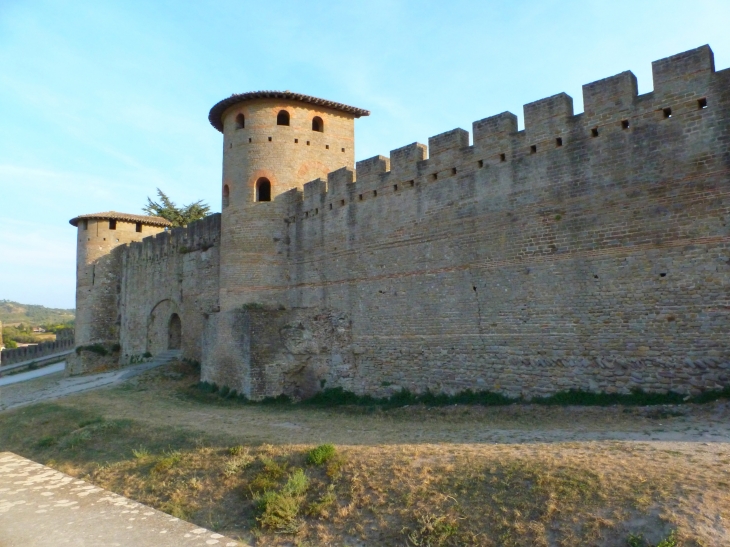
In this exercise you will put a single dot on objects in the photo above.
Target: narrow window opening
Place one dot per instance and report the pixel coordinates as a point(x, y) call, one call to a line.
point(306, 214)
point(702, 103)
point(112, 224)
point(342, 202)
point(453, 170)
point(85, 224)
point(230, 145)
point(533, 149)
point(240, 121)
point(663, 274)
point(307, 143)
point(395, 188)
point(317, 124)
point(249, 139)
point(138, 227)
point(359, 197)
point(296, 141)
point(503, 157)
point(559, 142)
point(625, 124)
point(594, 132)
point(375, 193)
point(667, 112)
point(412, 183)
point(269, 139)
point(226, 193)
point(316, 211)
point(327, 146)
point(330, 206)
point(434, 176)
point(282, 118)
point(480, 163)
point(263, 189)
point(343, 149)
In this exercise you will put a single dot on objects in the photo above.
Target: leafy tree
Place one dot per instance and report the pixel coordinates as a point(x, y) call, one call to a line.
point(11, 344)
point(178, 216)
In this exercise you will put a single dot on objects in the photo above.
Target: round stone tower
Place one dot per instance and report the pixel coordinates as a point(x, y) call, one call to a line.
point(98, 270)
point(273, 141)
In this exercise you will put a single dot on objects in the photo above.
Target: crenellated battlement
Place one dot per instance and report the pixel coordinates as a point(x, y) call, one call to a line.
point(585, 251)
point(683, 86)
point(197, 236)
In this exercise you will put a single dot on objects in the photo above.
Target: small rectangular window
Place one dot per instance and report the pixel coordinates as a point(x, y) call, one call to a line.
point(112, 224)
point(359, 197)
point(480, 163)
point(412, 183)
point(342, 202)
point(503, 157)
point(330, 206)
point(307, 143)
point(625, 124)
point(138, 227)
point(395, 188)
point(269, 139)
point(434, 176)
point(85, 224)
point(702, 103)
point(667, 112)
point(533, 149)
point(594, 132)
point(296, 141)
point(375, 193)
point(343, 149)
point(327, 146)
point(559, 141)
point(249, 139)
point(453, 170)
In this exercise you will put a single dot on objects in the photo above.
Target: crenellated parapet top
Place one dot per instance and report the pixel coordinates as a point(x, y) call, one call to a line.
point(682, 86)
point(200, 235)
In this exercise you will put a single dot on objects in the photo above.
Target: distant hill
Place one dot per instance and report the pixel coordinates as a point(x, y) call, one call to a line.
point(14, 312)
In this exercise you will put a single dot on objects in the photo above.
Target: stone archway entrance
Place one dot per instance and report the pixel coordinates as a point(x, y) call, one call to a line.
point(164, 327)
point(174, 333)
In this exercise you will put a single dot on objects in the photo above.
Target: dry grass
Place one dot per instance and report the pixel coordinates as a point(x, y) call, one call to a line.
point(451, 493)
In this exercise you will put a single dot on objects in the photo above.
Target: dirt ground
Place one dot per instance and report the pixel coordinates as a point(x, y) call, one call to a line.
point(617, 471)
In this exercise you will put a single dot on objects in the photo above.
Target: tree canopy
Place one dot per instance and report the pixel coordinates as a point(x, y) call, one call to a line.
point(178, 216)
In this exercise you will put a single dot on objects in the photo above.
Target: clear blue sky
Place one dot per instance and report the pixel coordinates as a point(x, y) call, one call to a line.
point(101, 102)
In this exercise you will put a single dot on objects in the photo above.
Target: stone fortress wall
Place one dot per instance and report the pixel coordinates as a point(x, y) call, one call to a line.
point(586, 251)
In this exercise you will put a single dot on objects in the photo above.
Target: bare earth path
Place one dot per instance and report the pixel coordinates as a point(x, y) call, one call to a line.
point(654, 468)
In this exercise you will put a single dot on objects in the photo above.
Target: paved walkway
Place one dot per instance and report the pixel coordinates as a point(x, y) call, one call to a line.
point(23, 376)
point(17, 395)
point(41, 507)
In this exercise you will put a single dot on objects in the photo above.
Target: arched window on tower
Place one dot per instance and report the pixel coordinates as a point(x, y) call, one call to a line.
point(317, 124)
point(226, 192)
point(240, 121)
point(282, 118)
point(263, 190)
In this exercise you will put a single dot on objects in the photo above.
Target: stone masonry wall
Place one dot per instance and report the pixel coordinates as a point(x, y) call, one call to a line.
point(587, 251)
point(174, 272)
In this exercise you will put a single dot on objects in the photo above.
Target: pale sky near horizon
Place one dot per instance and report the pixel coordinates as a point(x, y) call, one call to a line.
point(102, 102)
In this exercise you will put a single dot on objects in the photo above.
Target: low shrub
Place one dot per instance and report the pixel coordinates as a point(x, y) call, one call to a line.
point(321, 454)
point(280, 510)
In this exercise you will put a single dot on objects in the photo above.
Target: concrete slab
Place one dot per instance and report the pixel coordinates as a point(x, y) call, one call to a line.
point(13, 397)
point(41, 507)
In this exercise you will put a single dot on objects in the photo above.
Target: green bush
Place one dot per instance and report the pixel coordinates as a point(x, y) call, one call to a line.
point(99, 349)
point(321, 454)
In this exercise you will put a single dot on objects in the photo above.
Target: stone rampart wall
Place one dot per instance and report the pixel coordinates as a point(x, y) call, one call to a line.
point(586, 251)
point(37, 351)
point(174, 272)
